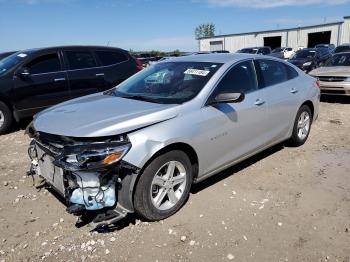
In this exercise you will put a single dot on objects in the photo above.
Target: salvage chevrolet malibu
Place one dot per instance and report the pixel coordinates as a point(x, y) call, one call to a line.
point(141, 145)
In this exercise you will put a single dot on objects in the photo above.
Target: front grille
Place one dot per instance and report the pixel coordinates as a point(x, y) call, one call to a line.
point(332, 78)
point(50, 144)
point(48, 148)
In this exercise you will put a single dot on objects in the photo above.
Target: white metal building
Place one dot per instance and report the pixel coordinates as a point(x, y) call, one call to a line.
point(308, 36)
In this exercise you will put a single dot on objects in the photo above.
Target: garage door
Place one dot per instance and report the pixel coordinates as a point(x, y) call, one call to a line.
point(216, 46)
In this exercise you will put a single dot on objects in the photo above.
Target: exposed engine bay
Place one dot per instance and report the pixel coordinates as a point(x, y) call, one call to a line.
point(88, 173)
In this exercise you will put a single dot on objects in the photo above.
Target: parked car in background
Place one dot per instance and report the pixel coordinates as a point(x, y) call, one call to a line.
point(283, 52)
point(334, 76)
point(342, 48)
point(146, 59)
point(140, 146)
point(35, 79)
point(331, 47)
point(6, 54)
point(308, 59)
point(220, 51)
point(264, 50)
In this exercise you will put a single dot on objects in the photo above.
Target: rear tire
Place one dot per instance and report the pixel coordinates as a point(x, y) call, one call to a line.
point(6, 118)
point(159, 195)
point(302, 126)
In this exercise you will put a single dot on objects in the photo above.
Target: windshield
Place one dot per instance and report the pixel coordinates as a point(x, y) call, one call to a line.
point(168, 82)
point(339, 60)
point(9, 62)
point(340, 49)
point(304, 54)
point(249, 50)
point(277, 50)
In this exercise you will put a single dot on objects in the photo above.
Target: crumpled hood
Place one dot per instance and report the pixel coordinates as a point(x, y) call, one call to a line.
point(101, 115)
point(332, 71)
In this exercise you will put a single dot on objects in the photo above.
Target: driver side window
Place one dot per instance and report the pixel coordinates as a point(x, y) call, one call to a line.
point(240, 79)
point(44, 64)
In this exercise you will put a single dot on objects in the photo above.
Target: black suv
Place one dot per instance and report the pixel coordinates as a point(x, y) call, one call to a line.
point(35, 79)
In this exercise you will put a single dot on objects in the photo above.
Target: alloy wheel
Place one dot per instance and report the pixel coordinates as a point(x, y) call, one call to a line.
point(303, 125)
point(168, 185)
point(2, 118)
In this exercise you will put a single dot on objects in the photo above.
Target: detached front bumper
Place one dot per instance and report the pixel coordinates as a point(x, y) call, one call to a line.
point(85, 191)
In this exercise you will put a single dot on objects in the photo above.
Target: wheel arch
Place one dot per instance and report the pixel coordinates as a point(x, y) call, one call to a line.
point(310, 105)
point(186, 148)
point(8, 103)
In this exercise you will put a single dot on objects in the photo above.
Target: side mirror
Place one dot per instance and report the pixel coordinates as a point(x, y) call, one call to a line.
point(23, 73)
point(228, 98)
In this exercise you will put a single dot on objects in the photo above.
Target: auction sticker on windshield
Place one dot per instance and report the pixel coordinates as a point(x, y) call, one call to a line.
point(197, 72)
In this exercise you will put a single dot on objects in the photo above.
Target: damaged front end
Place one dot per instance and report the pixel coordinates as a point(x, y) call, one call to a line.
point(89, 173)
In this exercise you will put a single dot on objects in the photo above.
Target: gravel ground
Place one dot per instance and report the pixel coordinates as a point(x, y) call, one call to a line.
point(285, 204)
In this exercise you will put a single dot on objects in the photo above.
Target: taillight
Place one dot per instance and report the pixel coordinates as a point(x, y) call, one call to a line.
point(317, 83)
point(139, 65)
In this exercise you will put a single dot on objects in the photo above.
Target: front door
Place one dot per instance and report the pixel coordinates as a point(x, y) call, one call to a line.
point(45, 84)
point(234, 130)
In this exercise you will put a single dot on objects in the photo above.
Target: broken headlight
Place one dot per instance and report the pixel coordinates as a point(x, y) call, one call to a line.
point(93, 156)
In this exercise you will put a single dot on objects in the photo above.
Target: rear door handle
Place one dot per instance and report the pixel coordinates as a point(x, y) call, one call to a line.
point(59, 79)
point(293, 91)
point(100, 74)
point(259, 102)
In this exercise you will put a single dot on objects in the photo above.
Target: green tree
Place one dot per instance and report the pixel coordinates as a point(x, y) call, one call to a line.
point(205, 30)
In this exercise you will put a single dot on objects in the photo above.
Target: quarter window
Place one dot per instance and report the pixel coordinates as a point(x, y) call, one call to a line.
point(291, 72)
point(44, 64)
point(80, 59)
point(272, 72)
point(240, 79)
point(109, 57)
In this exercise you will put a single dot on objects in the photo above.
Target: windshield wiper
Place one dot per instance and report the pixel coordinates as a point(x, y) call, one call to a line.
point(141, 98)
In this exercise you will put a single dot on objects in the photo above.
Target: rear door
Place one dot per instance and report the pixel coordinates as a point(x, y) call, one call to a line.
point(84, 74)
point(282, 96)
point(45, 85)
point(116, 64)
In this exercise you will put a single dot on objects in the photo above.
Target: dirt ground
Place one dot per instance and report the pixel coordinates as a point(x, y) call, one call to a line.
point(285, 204)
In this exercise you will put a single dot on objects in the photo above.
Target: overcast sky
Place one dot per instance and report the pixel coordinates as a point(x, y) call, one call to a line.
point(150, 24)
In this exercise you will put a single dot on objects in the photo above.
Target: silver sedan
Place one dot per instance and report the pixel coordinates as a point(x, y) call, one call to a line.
point(140, 146)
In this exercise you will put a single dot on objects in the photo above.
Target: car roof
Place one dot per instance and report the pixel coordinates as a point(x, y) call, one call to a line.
point(308, 49)
point(342, 53)
point(348, 44)
point(215, 58)
point(71, 47)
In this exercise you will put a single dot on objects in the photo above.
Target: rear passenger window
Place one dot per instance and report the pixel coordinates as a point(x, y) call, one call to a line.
point(291, 72)
point(44, 64)
point(111, 57)
point(80, 59)
point(272, 72)
point(240, 79)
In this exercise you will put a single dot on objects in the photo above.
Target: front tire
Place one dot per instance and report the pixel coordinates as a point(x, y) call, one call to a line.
point(164, 186)
point(5, 118)
point(302, 126)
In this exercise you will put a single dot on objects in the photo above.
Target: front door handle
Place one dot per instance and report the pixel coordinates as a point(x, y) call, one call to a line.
point(59, 79)
point(259, 102)
point(293, 91)
point(100, 74)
